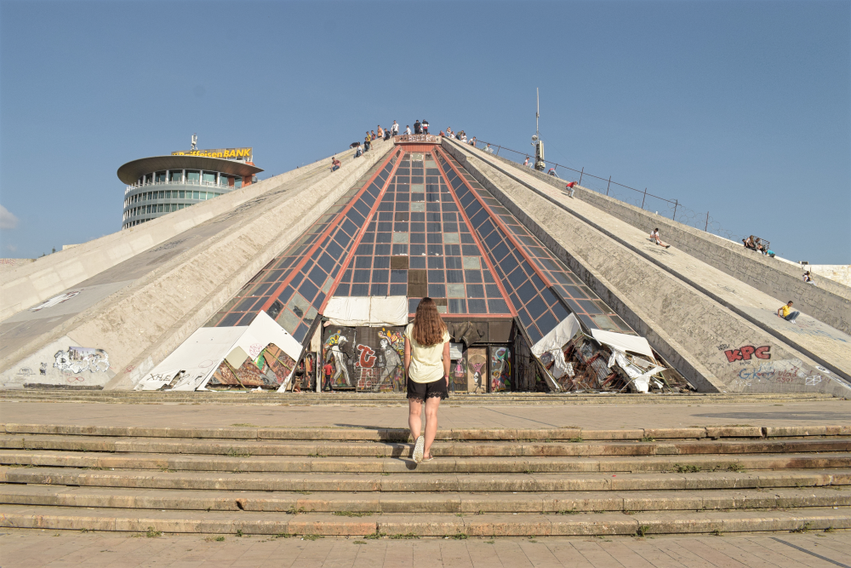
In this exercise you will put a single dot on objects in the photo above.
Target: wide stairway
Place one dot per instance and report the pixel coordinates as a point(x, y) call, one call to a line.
point(359, 482)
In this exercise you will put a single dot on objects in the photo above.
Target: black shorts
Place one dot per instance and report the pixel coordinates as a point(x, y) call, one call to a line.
point(423, 391)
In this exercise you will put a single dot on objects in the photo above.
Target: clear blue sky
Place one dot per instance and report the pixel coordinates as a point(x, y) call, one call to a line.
point(742, 109)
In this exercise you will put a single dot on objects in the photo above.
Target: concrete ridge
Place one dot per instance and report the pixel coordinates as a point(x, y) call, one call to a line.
point(519, 524)
point(403, 434)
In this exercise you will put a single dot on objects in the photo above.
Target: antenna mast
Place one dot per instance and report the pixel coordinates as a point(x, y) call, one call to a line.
point(536, 139)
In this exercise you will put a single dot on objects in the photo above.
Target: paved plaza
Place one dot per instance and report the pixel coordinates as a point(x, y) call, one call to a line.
point(55, 549)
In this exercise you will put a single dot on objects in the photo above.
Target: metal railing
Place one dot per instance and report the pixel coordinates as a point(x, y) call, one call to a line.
point(638, 197)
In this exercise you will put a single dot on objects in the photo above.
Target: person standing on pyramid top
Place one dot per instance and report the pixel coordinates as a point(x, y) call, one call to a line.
point(394, 130)
point(427, 369)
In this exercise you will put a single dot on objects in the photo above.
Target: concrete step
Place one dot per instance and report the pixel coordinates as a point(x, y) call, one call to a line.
point(427, 503)
point(425, 481)
point(392, 399)
point(236, 462)
point(403, 434)
point(447, 448)
point(411, 526)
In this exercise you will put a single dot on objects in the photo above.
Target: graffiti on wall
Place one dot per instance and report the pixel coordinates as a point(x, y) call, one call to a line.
point(745, 353)
point(366, 358)
point(76, 360)
point(786, 371)
point(477, 370)
point(458, 372)
point(268, 369)
point(500, 369)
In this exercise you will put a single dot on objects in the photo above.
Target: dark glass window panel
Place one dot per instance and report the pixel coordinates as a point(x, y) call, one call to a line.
point(317, 302)
point(433, 202)
point(368, 237)
point(398, 289)
point(589, 306)
point(433, 218)
point(437, 290)
point(385, 211)
point(524, 316)
point(380, 275)
point(372, 226)
point(398, 276)
point(363, 262)
point(527, 291)
point(335, 250)
point(400, 249)
point(308, 289)
point(433, 228)
point(622, 325)
point(285, 296)
point(364, 249)
point(454, 276)
point(412, 305)
point(535, 279)
point(385, 227)
point(493, 241)
point(378, 289)
point(246, 319)
point(418, 238)
point(342, 290)
point(477, 306)
point(418, 227)
point(435, 238)
point(470, 250)
point(360, 290)
point(450, 227)
point(383, 238)
point(547, 322)
point(417, 250)
point(488, 276)
point(300, 332)
point(560, 311)
point(417, 277)
point(448, 204)
point(417, 179)
point(245, 305)
point(534, 335)
point(355, 217)
point(574, 306)
point(230, 320)
point(486, 228)
point(453, 262)
point(362, 208)
point(516, 277)
point(318, 276)
point(536, 307)
point(297, 279)
point(475, 291)
point(417, 217)
point(473, 276)
point(436, 277)
point(417, 197)
point(493, 291)
point(350, 228)
point(467, 239)
point(417, 261)
point(498, 306)
point(273, 276)
point(400, 226)
point(381, 262)
point(262, 289)
point(400, 217)
point(589, 323)
point(457, 306)
point(575, 292)
point(479, 218)
point(361, 276)
point(435, 262)
point(449, 217)
point(347, 276)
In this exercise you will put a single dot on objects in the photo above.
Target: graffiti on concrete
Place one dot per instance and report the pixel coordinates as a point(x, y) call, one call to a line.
point(782, 372)
point(55, 300)
point(500, 369)
point(745, 353)
point(269, 368)
point(366, 358)
point(78, 360)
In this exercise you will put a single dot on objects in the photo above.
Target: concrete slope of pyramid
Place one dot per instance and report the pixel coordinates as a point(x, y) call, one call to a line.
point(263, 286)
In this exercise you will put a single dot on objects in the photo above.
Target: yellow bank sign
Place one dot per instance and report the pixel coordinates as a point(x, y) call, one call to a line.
point(227, 153)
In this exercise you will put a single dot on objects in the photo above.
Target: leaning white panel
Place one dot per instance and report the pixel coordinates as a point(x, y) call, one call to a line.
point(195, 359)
point(623, 342)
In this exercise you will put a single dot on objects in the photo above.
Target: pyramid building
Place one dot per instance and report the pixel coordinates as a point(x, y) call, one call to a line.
point(269, 285)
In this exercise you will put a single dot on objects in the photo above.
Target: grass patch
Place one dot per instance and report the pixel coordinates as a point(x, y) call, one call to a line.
point(295, 511)
point(802, 529)
point(460, 536)
point(279, 535)
point(489, 542)
point(153, 533)
point(687, 468)
point(404, 536)
point(641, 531)
point(352, 513)
point(576, 440)
point(317, 455)
point(359, 542)
point(737, 467)
point(717, 532)
point(648, 439)
point(234, 453)
point(375, 536)
point(312, 537)
point(245, 425)
point(572, 511)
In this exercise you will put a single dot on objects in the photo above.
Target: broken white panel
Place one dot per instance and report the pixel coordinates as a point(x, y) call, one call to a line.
point(456, 351)
point(560, 365)
point(558, 336)
point(196, 358)
point(372, 311)
point(638, 370)
point(623, 342)
point(262, 331)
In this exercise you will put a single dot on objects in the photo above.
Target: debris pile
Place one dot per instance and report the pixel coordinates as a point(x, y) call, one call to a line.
point(587, 364)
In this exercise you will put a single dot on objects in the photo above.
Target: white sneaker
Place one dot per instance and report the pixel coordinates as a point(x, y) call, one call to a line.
point(417, 454)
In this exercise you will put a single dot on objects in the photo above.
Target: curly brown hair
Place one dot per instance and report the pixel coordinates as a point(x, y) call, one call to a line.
point(428, 325)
